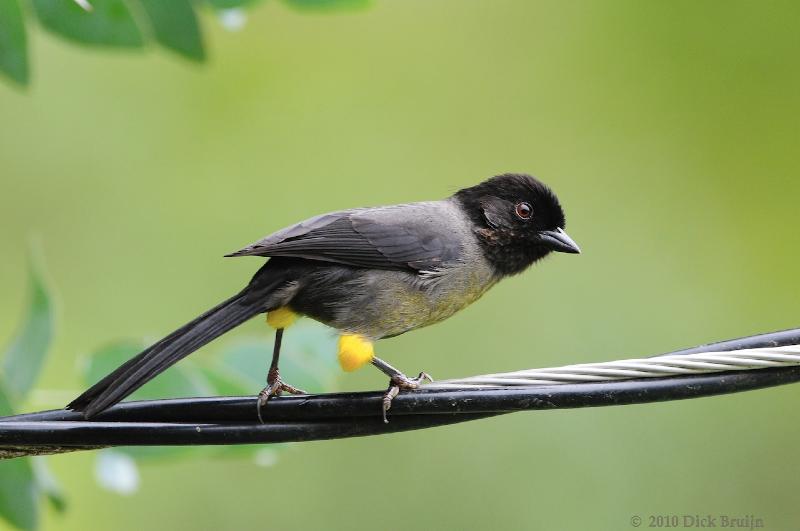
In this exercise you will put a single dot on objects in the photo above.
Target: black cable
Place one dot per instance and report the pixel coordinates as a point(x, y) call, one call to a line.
point(232, 420)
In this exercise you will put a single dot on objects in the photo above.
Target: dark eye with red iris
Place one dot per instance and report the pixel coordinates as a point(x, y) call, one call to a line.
point(523, 210)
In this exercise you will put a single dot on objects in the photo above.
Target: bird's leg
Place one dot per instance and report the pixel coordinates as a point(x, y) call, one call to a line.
point(397, 381)
point(275, 386)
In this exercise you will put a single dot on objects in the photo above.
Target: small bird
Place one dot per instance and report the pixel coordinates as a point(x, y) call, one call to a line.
point(370, 273)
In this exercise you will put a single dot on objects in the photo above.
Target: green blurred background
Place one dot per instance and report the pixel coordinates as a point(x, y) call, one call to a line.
point(670, 131)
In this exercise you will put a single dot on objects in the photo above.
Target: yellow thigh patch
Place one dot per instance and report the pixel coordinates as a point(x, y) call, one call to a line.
point(283, 317)
point(354, 352)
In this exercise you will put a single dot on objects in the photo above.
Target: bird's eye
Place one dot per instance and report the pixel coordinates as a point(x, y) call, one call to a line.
point(523, 210)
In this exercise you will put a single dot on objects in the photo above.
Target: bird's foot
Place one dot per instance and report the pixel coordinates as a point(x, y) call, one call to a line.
point(275, 386)
point(401, 381)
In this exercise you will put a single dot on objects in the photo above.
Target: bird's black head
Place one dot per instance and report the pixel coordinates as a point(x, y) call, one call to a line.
point(518, 220)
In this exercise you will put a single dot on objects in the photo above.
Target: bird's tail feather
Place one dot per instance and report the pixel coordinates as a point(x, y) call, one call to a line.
point(154, 360)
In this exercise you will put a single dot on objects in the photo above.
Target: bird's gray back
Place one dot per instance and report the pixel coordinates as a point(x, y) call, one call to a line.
point(416, 236)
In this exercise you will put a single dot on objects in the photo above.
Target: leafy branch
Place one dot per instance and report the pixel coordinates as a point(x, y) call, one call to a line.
point(122, 24)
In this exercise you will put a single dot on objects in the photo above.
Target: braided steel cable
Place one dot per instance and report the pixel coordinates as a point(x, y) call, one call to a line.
point(655, 367)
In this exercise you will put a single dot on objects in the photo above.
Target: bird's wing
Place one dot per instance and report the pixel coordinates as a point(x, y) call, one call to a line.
point(416, 236)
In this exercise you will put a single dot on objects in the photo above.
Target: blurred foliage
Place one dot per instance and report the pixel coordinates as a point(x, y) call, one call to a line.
point(13, 42)
point(25, 481)
point(174, 24)
point(109, 23)
point(239, 370)
point(24, 358)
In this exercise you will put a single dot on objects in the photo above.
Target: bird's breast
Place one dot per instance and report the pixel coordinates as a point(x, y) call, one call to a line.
point(380, 303)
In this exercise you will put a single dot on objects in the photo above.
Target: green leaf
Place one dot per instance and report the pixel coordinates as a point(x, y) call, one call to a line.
point(328, 5)
point(225, 383)
point(231, 4)
point(175, 26)
point(6, 407)
point(183, 379)
point(13, 42)
point(24, 358)
point(47, 484)
point(109, 23)
point(19, 496)
point(308, 359)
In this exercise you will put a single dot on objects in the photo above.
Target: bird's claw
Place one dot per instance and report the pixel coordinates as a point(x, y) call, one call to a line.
point(401, 381)
point(275, 387)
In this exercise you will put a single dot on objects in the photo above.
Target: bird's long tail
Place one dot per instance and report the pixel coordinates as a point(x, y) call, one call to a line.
point(154, 360)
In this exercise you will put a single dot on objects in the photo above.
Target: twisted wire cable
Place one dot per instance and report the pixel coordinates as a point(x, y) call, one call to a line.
point(655, 367)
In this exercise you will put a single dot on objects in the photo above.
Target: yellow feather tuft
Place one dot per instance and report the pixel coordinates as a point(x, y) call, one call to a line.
point(283, 317)
point(354, 352)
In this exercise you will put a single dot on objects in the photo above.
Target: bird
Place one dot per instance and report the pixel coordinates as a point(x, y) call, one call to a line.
point(371, 274)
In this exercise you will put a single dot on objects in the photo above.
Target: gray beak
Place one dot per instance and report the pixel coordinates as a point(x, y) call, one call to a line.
point(559, 241)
